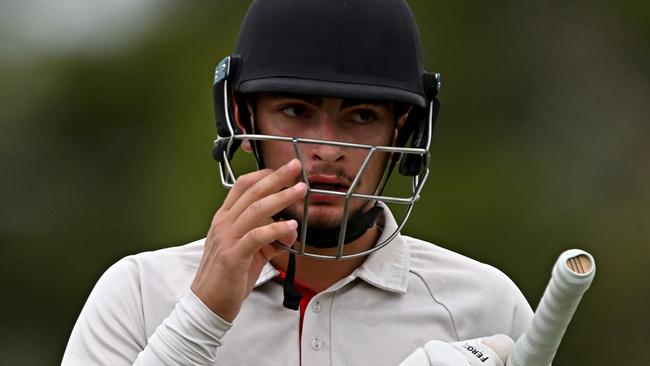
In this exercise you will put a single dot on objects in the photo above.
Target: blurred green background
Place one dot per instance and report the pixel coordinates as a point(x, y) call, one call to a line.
point(542, 145)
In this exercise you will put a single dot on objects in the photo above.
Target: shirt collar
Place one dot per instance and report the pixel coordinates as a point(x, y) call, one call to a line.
point(268, 272)
point(386, 268)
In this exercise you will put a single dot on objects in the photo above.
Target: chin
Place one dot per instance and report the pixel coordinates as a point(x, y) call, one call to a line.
point(320, 215)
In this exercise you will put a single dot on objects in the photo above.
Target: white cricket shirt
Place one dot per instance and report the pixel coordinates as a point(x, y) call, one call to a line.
point(142, 312)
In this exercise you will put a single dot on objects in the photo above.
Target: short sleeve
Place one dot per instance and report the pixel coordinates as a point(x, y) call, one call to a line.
point(110, 329)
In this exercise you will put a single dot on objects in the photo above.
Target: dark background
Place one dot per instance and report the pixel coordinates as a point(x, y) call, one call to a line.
point(107, 125)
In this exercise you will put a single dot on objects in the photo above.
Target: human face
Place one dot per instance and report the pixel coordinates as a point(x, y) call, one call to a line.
point(328, 167)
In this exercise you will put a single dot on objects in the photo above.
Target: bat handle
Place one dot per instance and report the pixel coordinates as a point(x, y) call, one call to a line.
point(571, 277)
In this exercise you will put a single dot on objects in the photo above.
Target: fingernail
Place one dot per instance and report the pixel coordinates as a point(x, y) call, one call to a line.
point(300, 186)
point(293, 163)
point(293, 224)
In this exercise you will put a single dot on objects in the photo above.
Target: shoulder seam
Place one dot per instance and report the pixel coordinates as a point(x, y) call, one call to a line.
point(451, 317)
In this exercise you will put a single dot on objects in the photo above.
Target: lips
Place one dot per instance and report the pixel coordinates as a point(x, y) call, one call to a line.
point(329, 183)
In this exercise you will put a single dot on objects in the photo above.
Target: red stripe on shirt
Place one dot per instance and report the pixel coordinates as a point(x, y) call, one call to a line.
point(307, 295)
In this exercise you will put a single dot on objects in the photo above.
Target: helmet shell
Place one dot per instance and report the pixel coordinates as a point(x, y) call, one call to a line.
point(363, 49)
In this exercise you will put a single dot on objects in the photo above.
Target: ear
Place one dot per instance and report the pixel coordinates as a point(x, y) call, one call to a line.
point(400, 123)
point(245, 144)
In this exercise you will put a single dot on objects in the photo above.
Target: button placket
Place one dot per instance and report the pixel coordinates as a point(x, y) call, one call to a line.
point(316, 331)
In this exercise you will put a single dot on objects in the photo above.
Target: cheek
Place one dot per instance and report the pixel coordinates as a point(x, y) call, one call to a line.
point(273, 124)
point(276, 154)
point(378, 163)
point(374, 171)
point(380, 134)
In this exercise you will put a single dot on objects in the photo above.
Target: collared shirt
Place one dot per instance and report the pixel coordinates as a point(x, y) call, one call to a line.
point(142, 312)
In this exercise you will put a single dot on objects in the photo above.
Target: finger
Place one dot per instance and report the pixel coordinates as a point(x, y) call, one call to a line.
point(288, 240)
point(271, 250)
point(257, 238)
point(283, 177)
point(242, 184)
point(268, 206)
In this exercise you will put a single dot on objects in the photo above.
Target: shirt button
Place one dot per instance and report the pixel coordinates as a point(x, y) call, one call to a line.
point(316, 344)
point(316, 306)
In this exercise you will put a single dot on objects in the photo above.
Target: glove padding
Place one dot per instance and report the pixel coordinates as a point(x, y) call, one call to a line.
point(489, 351)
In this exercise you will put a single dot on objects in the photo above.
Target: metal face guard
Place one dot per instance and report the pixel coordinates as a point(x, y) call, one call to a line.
point(228, 179)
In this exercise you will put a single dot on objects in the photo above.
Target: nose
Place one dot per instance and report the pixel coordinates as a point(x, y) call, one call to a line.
point(327, 153)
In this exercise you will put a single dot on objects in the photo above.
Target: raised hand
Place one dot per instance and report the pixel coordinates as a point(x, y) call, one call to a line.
point(243, 237)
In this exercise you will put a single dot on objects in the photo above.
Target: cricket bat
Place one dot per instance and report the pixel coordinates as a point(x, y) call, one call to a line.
point(571, 277)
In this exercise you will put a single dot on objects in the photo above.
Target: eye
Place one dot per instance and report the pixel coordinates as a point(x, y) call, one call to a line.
point(295, 111)
point(363, 116)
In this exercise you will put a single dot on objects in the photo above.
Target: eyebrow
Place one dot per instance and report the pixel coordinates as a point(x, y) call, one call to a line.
point(317, 100)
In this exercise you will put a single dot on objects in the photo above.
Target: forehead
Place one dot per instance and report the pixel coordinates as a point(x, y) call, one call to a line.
point(320, 100)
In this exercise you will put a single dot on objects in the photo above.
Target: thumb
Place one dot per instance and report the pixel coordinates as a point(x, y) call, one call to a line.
point(501, 344)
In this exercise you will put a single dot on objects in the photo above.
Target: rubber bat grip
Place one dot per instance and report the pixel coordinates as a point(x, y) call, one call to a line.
point(571, 277)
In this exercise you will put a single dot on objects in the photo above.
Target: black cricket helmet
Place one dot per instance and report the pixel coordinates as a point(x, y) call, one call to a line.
point(360, 49)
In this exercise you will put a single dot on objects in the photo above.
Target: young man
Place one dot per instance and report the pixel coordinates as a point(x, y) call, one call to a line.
point(330, 96)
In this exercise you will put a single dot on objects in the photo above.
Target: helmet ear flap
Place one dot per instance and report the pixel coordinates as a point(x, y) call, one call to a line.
point(412, 164)
point(223, 100)
point(422, 122)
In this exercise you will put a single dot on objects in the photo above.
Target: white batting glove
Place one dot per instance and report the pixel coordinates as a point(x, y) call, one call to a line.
point(489, 351)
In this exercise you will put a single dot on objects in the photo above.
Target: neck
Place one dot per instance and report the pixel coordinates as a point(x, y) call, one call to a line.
point(320, 274)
